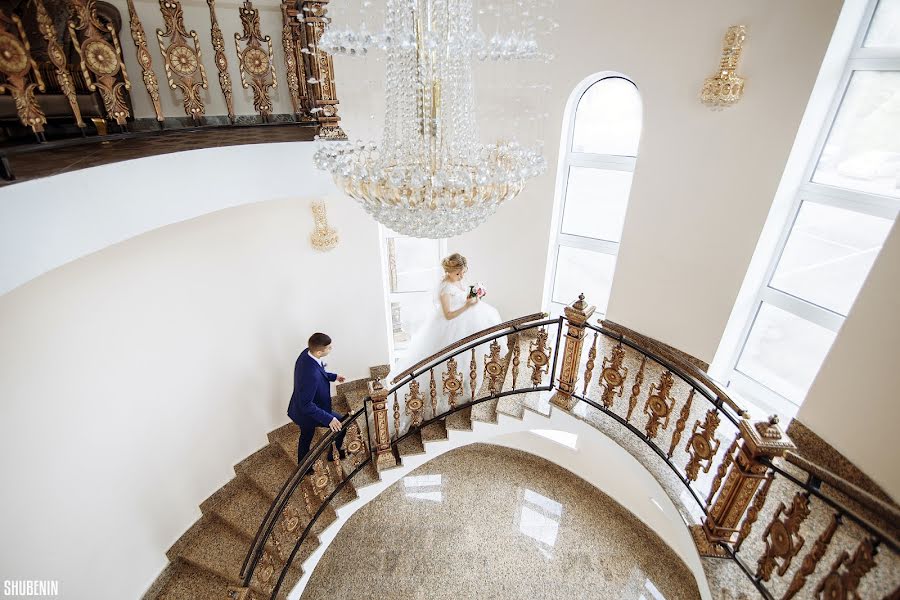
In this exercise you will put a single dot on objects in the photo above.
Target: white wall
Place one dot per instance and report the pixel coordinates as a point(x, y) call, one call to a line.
point(133, 379)
point(852, 404)
point(45, 223)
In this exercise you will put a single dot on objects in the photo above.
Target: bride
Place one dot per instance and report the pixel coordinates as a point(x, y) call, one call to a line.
point(456, 316)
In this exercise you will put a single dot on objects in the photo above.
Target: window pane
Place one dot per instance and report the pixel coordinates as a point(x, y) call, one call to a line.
point(583, 271)
point(608, 118)
point(885, 28)
point(416, 264)
point(862, 152)
point(596, 200)
point(828, 255)
point(784, 352)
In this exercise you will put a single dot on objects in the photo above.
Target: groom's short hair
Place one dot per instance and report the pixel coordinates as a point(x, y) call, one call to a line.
point(319, 340)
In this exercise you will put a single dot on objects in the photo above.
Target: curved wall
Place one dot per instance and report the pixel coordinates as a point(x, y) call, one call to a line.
point(134, 378)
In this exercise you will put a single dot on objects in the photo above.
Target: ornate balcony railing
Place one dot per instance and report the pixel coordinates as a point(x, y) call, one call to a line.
point(64, 81)
point(756, 510)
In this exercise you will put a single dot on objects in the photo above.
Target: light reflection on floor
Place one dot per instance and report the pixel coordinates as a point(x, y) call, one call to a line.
point(423, 487)
point(539, 519)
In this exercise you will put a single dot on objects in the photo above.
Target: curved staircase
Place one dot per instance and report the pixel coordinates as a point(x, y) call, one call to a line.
point(681, 428)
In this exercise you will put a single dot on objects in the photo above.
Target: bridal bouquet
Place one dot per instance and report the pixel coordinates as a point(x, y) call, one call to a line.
point(477, 291)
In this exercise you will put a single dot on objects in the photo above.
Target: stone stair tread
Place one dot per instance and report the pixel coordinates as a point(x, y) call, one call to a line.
point(460, 420)
point(356, 398)
point(366, 476)
point(512, 406)
point(213, 545)
point(410, 445)
point(268, 468)
point(181, 580)
point(435, 432)
point(485, 412)
point(240, 504)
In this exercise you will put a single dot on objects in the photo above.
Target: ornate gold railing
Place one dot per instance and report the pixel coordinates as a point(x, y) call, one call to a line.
point(789, 528)
point(63, 64)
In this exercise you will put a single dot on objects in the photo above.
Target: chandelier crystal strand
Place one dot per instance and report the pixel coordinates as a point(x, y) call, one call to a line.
point(430, 176)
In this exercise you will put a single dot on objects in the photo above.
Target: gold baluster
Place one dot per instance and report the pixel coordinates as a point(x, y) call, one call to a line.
point(682, 421)
point(16, 63)
point(415, 404)
point(221, 59)
point(589, 367)
point(658, 406)
point(396, 416)
point(473, 374)
point(433, 394)
point(636, 388)
point(452, 382)
point(811, 560)
point(613, 375)
point(517, 350)
point(58, 56)
point(702, 445)
point(493, 368)
point(538, 358)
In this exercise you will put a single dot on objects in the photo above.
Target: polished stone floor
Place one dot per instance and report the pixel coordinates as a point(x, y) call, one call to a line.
point(490, 522)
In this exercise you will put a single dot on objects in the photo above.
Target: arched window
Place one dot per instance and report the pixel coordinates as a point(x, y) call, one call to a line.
point(597, 156)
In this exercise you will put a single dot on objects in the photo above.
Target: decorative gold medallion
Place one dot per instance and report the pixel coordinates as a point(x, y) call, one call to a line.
point(538, 359)
point(415, 404)
point(13, 56)
point(452, 382)
point(182, 60)
point(613, 375)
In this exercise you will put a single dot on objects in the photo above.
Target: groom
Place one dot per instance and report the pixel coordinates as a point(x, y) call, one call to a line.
point(310, 405)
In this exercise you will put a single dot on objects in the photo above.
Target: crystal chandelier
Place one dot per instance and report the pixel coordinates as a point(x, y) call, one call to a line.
point(430, 176)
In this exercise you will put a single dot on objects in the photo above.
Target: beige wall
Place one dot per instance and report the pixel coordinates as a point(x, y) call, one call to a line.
point(134, 378)
point(704, 181)
point(853, 404)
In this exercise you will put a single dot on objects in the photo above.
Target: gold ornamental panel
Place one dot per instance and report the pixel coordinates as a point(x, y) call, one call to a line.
point(13, 56)
point(842, 582)
point(658, 406)
point(782, 537)
point(613, 375)
point(702, 446)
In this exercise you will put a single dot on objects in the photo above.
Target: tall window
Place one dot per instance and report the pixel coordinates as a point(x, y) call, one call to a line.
point(599, 146)
point(841, 213)
point(412, 271)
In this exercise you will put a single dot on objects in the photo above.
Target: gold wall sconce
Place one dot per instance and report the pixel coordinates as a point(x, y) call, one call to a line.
point(725, 88)
point(323, 237)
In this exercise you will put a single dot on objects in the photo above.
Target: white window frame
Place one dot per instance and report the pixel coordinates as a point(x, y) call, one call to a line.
point(389, 296)
point(568, 159)
point(803, 189)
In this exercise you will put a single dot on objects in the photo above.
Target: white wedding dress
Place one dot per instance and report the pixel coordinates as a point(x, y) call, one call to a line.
point(436, 333)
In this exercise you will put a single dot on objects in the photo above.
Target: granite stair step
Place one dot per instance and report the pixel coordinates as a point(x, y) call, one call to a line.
point(460, 420)
point(512, 406)
point(213, 545)
point(411, 445)
point(240, 504)
point(183, 581)
point(486, 411)
point(366, 476)
point(435, 432)
point(268, 468)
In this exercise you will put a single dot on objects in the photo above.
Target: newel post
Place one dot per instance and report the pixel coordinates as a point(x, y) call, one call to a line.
point(577, 314)
point(384, 458)
point(739, 476)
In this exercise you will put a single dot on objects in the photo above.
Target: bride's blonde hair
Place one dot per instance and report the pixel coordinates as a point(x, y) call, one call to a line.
point(454, 261)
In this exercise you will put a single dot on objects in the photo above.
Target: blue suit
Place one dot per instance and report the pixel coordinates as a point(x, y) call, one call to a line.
point(310, 405)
